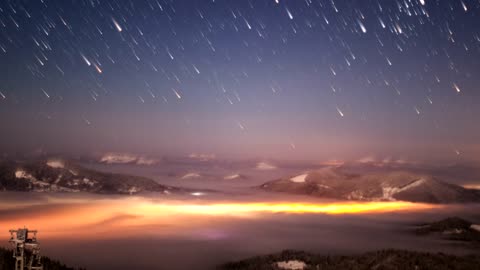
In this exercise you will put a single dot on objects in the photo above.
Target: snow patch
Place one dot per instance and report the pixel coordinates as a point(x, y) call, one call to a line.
point(299, 179)
point(265, 166)
point(475, 227)
point(367, 159)
point(112, 158)
point(41, 186)
point(21, 174)
point(388, 192)
point(379, 162)
point(74, 182)
point(231, 177)
point(356, 195)
point(56, 164)
point(202, 157)
point(292, 265)
point(191, 175)
point(323, 186)
point(453, 231)
point(133, 190)
point(146, 161)
point(89, 182)
point(118, 158)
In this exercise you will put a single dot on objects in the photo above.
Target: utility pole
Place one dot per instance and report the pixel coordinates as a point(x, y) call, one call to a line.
point(26, 249)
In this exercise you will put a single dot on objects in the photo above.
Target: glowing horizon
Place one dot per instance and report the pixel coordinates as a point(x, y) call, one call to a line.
point(336, 208)
point(111, 216)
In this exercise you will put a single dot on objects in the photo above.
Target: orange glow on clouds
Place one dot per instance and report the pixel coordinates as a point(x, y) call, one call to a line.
point(251, 209)
point(109, 217)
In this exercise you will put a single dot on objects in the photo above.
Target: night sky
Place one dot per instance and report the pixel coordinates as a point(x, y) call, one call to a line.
point(286, 79)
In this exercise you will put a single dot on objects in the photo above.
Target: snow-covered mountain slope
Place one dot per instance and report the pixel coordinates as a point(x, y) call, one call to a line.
point(57, 175)
point(386, 186)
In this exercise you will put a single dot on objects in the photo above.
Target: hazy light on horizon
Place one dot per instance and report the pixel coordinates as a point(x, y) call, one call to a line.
point(127, 215)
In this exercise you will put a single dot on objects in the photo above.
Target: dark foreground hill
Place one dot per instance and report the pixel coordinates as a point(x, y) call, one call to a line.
point(62, 176)
point(334, 183)
point(380, 260)
point(7, 262)
point(452, 228)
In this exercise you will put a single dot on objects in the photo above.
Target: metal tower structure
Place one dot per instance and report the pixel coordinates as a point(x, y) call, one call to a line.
point(26, 249)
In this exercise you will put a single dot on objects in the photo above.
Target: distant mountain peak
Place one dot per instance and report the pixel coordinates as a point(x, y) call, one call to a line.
point(63, 176)
point(335, 183)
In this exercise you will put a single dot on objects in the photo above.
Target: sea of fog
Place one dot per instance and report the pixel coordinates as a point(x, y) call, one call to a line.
point(156, 231)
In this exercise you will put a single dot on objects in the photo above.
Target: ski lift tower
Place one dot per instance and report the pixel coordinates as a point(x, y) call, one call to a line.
point(26, 249)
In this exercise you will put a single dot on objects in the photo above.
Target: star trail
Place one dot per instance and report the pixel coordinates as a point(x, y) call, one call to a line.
point(303, 79)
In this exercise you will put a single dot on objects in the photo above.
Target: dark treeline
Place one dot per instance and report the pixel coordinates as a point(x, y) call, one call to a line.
point(384, 260)
point(7, 262)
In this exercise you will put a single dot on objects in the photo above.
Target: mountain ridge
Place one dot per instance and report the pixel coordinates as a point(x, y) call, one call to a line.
point(64, 176)
point(334, 183)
